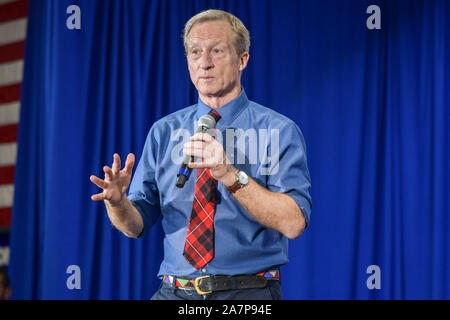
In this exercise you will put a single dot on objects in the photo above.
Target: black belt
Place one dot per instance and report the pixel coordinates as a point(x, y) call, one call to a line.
point(208, 284)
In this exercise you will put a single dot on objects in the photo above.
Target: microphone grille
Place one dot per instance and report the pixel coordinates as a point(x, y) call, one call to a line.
point(207, 121)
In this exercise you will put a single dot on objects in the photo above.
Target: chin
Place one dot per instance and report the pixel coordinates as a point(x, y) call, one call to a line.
point(207, 91)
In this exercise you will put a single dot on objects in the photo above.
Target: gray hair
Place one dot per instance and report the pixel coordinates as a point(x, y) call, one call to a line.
point(240, 33)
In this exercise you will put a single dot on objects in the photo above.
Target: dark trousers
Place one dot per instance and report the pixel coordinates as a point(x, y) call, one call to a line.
point(271, 292)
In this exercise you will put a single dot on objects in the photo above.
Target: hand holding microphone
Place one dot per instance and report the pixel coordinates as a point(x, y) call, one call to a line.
point(205, 147)
point(205, 123)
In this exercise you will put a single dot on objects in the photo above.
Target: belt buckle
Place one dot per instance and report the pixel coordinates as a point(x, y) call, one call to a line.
point(196, 285)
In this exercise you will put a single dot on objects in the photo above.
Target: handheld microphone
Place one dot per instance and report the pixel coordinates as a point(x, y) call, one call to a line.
point(205, 123)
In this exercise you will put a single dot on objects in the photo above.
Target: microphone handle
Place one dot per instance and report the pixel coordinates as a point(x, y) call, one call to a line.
point(185, 171)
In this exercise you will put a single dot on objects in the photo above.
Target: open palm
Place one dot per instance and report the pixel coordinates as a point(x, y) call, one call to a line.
point(116, 181)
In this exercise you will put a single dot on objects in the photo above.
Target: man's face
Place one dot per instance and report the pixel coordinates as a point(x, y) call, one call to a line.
point(214, 65)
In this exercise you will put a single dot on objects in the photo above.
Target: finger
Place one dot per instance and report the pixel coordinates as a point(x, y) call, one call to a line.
point(202, 137)
point(99, 182)
point(195, 145)
point(205, 164)
point(98, 197)
point(198, 153)
point(129, 163)
point(116, 164)
point(108, 173)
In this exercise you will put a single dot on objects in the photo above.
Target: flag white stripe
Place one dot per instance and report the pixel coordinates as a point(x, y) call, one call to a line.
point(8, 153)
point(9, 113)
point(6, 195)
point(13, 31)
point(6, 1)
point(11, 72)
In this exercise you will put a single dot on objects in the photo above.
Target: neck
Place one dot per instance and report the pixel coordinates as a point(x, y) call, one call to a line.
point(216, 102)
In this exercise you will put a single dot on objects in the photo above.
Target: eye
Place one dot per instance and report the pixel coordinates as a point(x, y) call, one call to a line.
point(195, 51)
point(217, 50)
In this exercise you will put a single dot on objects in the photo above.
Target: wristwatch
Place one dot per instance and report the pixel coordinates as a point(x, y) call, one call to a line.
point(241, 181)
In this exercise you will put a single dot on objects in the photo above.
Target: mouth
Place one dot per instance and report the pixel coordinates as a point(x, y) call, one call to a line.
point(206, 78)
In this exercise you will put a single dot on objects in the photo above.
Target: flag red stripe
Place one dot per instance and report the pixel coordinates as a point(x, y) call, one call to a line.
point(10, 93)
point(5, 217)
point(7, 174)
point(13, 10)
point(8, 133)
point(12, 51)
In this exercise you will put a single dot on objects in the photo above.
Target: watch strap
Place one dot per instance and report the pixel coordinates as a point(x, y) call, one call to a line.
point(234, 187)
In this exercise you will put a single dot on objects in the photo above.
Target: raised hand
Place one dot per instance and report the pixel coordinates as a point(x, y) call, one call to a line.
point(116, 181)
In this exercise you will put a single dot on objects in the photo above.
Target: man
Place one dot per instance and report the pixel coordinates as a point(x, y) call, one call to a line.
point(226, 231)
point(5, 289)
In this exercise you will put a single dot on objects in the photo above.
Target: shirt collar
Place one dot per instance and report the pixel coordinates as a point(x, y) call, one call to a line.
point(228, 112)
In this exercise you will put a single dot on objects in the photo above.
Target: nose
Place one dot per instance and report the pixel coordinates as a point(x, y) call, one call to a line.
point(206, 61)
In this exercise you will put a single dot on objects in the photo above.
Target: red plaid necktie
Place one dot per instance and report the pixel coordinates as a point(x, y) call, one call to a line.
point(199, 246)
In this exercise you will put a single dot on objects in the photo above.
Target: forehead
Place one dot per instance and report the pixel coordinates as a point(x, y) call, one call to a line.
point(215, 30)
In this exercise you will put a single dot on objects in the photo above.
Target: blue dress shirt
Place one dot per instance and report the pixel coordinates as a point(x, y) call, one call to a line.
point(266, 145)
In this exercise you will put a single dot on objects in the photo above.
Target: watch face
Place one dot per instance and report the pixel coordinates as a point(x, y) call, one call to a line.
point(242, 178)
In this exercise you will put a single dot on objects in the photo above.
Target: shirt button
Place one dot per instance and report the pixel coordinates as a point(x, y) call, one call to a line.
point(204, 270)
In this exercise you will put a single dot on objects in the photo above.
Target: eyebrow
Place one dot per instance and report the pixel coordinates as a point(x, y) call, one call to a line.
point(195, 43)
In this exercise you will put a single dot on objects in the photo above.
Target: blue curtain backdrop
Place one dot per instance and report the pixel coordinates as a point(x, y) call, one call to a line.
point(373, 106)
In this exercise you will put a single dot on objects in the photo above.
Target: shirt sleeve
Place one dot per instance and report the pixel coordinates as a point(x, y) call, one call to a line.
point(290, 174)
point(143, 192)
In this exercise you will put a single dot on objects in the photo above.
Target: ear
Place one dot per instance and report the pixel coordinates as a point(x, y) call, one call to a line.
point(243, 60)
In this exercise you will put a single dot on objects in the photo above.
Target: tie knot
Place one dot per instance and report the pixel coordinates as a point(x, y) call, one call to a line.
point(215, 115)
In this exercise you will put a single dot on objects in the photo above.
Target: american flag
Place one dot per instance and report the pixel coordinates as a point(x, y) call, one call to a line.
point(13, 22)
